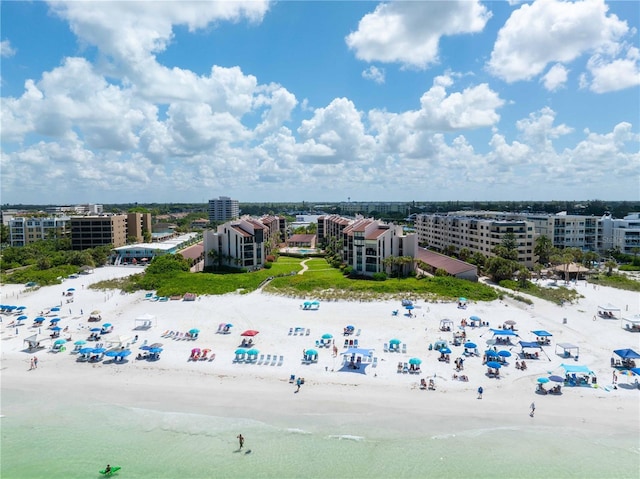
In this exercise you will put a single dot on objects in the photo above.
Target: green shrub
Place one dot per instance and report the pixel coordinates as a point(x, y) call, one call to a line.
point(268, 265)
point(379, 276)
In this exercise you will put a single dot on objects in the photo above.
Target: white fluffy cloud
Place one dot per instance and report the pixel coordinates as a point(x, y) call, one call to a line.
point(6, 50)
point(409, 32)
point(549, 31)
point(555, 78)
point(374, 74)
point(613, 75)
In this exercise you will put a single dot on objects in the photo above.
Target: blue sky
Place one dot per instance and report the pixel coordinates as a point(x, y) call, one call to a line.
point(107, 102)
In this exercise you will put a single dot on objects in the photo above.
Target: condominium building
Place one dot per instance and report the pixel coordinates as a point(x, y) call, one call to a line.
point(25, 230)
point(242, 243)
point(365, 243)
point(476, 234)
point(367, 208)
point(223, 209)
point(137, 225)
point(621, 234)
point(566, 231)
point(92, 231)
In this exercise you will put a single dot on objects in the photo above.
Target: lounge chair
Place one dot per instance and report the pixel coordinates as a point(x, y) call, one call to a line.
point(165, 333)
point(375, 362)
point(274, 360)
point(280, 360)
point(292, 378)
point(404, 348)
point(432, 385)
point(358, 332)
point(423, 384)
point(261, 359)
point(405, 368)
point(268, 360)
point(355, 343)
point(386, 347)
point(400, 367)
point(212, 357)
point(346, 343)
point(308, 332)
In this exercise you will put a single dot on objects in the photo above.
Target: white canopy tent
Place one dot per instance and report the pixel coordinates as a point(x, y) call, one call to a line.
point(145, 321)
point(608, 311)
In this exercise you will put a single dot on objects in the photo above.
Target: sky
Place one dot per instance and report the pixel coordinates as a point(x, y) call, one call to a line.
point(290, 101)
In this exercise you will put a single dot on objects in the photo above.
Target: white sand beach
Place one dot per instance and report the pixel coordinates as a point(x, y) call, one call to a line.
point(374, 402)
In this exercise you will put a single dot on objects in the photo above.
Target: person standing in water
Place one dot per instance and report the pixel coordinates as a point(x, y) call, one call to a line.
point(241, 440)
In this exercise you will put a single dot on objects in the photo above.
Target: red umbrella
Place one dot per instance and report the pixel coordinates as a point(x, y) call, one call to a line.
point(249, 332)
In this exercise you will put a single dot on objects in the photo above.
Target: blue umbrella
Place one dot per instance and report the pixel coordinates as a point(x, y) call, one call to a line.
point(80, 342)
point(56, 328)
point(71, 289)
point(351, 327)
point(253, 352)
point(20, 308)
point(494, 364)
point(474, 318)
point(311, 352)
point(98, 350)
point(194, 331)
point(22, 318)
point(556, 379)
point(409, 306)
point(124, 352)
point(415, 361)
point(106, 325)
point(462, 298)
point(504, 353)
point(394, 341)
point(155, 350)
point(145, 347)
point(445, 350)
point(241, 351)
point(112, 354)
point(40, 319)
point(54, 320)
point(95, 330)
point(55, 309)
point(491, 353)
point(470, 345)
point(86, 351)
point(327, 336)
point(229, 325)
point(543, 380)
point(60, 341)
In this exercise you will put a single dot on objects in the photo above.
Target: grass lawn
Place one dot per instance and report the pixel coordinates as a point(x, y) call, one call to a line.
point(619, 281)
point(557, 295)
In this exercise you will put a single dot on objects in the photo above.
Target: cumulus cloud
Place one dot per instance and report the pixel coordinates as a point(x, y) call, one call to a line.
point(374, 74)
point(549, 31)
point(409, 32)
point(6, 50)
point(613, 75)
point(555, 78)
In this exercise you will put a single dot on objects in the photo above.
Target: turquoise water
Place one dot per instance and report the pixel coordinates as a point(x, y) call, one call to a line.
point(76, 439)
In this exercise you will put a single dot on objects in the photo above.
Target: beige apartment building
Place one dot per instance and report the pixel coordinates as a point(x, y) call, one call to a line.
point(25, 230)
point(92, 231)
point(476, 234)
point(137, 225)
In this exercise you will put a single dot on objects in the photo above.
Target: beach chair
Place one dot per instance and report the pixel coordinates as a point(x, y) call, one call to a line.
point(386, 347)
point(165, 333)
point(212, 357)
point(292, 378)
point(346, 343)
point(355, 343)
point(404, 348)
point(318, 344)
point(280, 360)
point(261, 359)
point(405, 368)
point(308, 332)
point(375, 362)
point(290, 331)
point(358, 332)
point(268, 360)
point(400, 367)
point(274, 360)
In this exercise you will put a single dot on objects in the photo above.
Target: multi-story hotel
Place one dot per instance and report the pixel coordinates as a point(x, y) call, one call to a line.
point(137, 225)
point(476, 234)
point(25, 230)
point(223, 209)
point(622, 234)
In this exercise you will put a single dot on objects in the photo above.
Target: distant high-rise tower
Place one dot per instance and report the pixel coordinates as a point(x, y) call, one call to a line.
point(223, 209)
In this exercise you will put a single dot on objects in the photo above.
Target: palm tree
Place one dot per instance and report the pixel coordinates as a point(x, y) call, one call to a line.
point(610, 265)
point(543, 249)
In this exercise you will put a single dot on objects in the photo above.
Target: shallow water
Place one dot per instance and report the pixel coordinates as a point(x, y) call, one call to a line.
point(76, 439)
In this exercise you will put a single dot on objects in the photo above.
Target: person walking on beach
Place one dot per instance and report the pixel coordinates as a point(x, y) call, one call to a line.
point(31, 365)
point(298, 383)
point(241, 440)
point(480, 391)
point(35, 362)
point(533, 409)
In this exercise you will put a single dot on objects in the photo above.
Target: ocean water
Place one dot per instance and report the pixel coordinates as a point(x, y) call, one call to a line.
point(76, 439)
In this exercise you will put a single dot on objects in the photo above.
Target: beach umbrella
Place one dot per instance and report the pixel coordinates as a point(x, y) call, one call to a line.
point(351, 327)
point(556, 379)
point(490, 353)
point(106, 325)
point(494, 364)
point(415, 361)
point(474, 318)
point(20, 308)
point(410, 306)
point(327, 336)
point(95, 311)
point(194, 331)
point(462, 298)
point(445, 350)
point(470, 345)
point(60, 341)
point(145, 347)
point(112, 353)
point(12, 307)
point(156, 345)
point(311, 352)
point(54, 320)
point(95, 330)
point(124, 352)
point(40, 319)
point(195, 350)
point(543, 380)
point(56, 328)
point(155, 350)
point(71, 289)
point(241, 351)
point(249, 332)
point(504, 353)
point(98, 350)
point(22, 318)
point(80, 342)
point(635, 371)
point(229, 325)
point(394, 341)
point(55, 309)
point(86, 351)
point(253, 352)
point(510, 322)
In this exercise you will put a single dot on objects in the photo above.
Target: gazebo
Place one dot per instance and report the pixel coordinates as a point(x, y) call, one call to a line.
point(446, 325)
point(542, 336)
point(608, 311)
